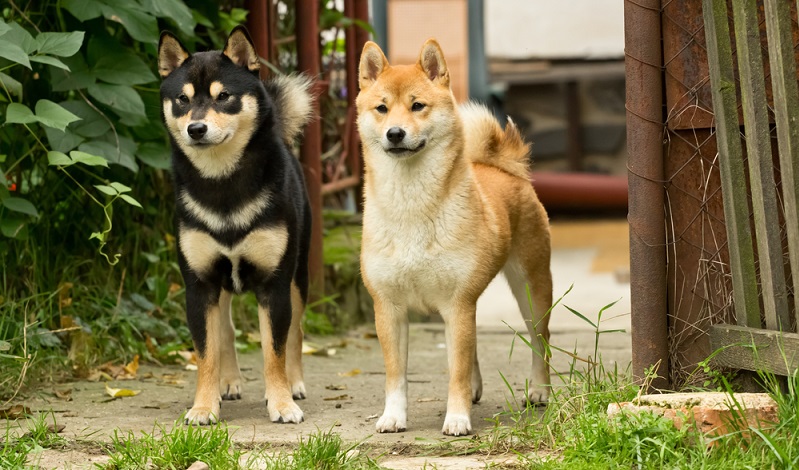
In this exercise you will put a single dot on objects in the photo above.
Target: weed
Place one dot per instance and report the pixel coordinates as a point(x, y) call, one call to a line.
point(321, 451)
point(16, 451)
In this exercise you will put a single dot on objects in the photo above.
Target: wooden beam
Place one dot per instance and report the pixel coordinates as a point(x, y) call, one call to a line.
point(753, 349)
point(733, 179)
point(786, 114)
point(761, 165)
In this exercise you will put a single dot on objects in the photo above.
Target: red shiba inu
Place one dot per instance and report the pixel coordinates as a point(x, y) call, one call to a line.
point(448, 205)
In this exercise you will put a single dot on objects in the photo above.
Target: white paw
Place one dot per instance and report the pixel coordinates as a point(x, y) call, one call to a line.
point(538, 396)
point(202, 416)
point(298, 390)
point(390, 422)
point(230, 389)
point(285, 412)
point(457, 425)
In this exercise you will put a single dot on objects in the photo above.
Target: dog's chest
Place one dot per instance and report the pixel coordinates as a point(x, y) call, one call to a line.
point(262, 249)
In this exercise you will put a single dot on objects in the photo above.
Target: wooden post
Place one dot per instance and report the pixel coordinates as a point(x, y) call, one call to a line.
point(307, 28)
point(733, 179)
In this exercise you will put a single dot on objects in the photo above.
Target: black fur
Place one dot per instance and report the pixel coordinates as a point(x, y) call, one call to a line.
point(265, 163)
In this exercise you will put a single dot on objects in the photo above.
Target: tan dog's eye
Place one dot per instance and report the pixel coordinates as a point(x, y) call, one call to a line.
point(417, 106)
point(382, 109)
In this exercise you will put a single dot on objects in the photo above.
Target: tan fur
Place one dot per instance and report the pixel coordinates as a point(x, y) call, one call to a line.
point(240, 50)
point(215, 89)
point(294, 345)
point(170, 55)
point(280, 405)
point(440, 222)
point(240, 218)
point(230, 374)
point(293, 102)
point(207, 397)
point(188, 90)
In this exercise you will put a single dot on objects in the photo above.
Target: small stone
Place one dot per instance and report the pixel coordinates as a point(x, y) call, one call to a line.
point(199, 465)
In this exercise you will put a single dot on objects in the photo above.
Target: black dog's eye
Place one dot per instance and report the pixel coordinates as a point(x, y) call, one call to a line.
point(382, 109)
point(417, 106)
point(183, 98)
point(223, 96)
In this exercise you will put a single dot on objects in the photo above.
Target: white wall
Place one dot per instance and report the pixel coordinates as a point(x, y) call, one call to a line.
point(554, 29)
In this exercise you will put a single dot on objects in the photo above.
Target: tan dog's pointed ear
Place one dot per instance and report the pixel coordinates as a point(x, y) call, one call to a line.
point(240, 49)
point(171, 54)
point(373, 62)
point(431, 60)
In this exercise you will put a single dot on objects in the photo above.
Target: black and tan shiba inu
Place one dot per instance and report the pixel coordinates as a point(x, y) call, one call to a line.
point(243, 218)
point(448, 205)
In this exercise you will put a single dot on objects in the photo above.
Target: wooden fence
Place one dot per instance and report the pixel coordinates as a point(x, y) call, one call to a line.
point(764, 337)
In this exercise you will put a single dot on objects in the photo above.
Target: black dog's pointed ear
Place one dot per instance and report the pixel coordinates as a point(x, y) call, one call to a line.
point(431, 60)
point(240, 49)
point(373, 62)
point(171, 54)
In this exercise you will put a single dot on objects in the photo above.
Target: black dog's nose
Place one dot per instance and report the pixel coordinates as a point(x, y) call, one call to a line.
point(197, 130)
point(395, 135)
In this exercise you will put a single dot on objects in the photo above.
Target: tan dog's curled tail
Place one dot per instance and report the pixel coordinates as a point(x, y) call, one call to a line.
point(487, 143)
point(292, 95)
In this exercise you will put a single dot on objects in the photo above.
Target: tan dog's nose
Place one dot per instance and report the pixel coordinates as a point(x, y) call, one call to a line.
point(395, 135)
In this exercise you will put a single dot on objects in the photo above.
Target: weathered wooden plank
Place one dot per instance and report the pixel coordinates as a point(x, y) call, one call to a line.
point(733, 179)
point(753, 349)
point(761, 166)
point(786, 111)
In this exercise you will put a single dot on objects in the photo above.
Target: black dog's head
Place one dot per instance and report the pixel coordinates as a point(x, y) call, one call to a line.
point(212, 102)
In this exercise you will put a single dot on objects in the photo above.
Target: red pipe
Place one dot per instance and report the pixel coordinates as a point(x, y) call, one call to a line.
point(572, 191)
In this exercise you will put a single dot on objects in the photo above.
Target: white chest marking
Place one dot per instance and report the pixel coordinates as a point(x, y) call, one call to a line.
point(240, 218)
point(263, 248)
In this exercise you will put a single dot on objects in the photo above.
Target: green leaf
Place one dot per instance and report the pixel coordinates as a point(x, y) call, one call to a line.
point(121, 99)
point(88, 159)
point(119, 187)
point(58, 158)
point(92, 123)
point(83, 10)
point(60, 44)
point(79, 75)
point(139, 24)
point(122, 155)
point(123, 69)
point(130, 201)
point(21, 37)
point(4, 28)
point(13, 52)
point(4, 345)
point(53, 115)
point(63, 141)
point(106, 189)
point(14, 227)
point(46, 59)
point(12, 84)
point(154, 155)
point(19, 114)
point(17, 204)
point(174, 10)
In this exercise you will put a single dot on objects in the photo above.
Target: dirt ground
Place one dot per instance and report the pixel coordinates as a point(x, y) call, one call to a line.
point(345, 390)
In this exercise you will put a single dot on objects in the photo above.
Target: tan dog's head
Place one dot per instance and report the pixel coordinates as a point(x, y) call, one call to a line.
point(404, 110)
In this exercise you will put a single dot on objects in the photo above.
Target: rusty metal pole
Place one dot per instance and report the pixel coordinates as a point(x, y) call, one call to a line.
point(260, 28)
point(307, 30)
point(356, 37)
point(648, 296)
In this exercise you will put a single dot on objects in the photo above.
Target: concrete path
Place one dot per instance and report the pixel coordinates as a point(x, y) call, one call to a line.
point(345, 390)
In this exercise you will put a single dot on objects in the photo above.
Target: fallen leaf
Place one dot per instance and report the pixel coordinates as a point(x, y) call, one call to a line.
point(340, 397)
point(14, 412)
point(70, 414)
point(253, 337)
point(133, 366)
point(336, 387)
point(120, 392)
point(370, 335)
point(425, 400)
point(309, 348)
point(64, 300)
point(55, 429)
point(189, 357)
point(351, 373)
point(191, 367)
point(156, 406)
point(174, 287)
point(96, 375)
point(371, 417)
point(65, 394)
point(148, 342)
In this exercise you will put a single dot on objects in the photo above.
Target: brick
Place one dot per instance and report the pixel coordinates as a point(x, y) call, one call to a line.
point(712, 413)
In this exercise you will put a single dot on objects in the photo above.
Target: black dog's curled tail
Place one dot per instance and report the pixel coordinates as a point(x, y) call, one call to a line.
point(293, 100)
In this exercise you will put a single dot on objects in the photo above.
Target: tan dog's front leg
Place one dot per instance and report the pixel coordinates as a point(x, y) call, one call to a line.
point(461, 336)
point(392, 331)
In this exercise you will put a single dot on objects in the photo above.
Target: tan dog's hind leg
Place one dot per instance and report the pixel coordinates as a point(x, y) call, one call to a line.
point(477, 379)
point(279, 402)
point(230, 374)
point(294, 346)
point(533, 270)
point(391, 322)
point(207, 400)
point(461, 336)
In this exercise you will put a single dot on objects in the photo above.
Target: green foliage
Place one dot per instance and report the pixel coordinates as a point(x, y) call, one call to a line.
point(16, 451)
point(321, 451)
